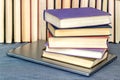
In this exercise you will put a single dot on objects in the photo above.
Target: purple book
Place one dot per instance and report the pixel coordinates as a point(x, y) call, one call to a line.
point(76, 17)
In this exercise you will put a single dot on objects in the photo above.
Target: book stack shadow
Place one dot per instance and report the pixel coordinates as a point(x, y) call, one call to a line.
point(77, 39)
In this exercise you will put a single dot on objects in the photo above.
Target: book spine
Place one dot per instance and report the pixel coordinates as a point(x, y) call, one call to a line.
point(34, 22)
point(8, 19)
point(84, 3)
point(92, 3)
point(75, 3)
point(111, 10)
point(1, 21)
point(105, 5)
point(26, 20)
point(99, 4)
point(17, 21)
point(58, 4)
point(42, 23)
point(66, 3)
point(117, 19)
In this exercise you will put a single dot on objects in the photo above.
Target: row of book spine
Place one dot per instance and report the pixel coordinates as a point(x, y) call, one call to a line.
point(24, 18)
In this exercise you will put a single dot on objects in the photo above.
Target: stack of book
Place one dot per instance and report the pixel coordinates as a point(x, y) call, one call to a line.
point(77, 36)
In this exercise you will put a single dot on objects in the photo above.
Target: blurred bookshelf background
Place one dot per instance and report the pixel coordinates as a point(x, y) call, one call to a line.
point(22, 20)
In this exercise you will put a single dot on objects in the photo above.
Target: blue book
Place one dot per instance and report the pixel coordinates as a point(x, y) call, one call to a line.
point(76, 17)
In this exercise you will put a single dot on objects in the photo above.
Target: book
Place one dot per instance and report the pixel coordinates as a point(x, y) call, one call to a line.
point(58, 4)
point(2, 21)
point(111, 10)
point(50, 4)
point(76, 17)
point(84, 3)
point(99, 4)
point(75, 69)
point(92, 3)
point(25, 20)
point(78, 42)
point(17, 21)
point(117, 19)
point(24, 53)
point(105, 5)
point(42, 23)
point(80, 31)
point(79, 61)
point(34, 20)
point(82, 52)
point(8, 21)
point(75, 3)
point(66, 3)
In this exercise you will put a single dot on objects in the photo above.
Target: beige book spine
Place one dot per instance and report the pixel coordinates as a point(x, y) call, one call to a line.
point(99, 4)
point(1, 21)
point(17, 21)
point(50, 4)
point(34, 20)
point(84, 3)
point(111, 11)
point(92, 3)
point(117, 21)
point(75, 3)
point(26, 20)
point(66, 4)
point(8, 15)
point(57, 4)
point(105, 5)
point(42, 23)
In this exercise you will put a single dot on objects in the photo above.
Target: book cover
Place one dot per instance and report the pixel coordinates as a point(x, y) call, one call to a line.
point(2, 21)
point(80, 31)
point(73, 17)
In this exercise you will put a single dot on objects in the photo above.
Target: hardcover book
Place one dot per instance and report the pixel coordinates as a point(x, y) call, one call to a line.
point(82, 52)
point(78, 61)
point(80, 31)
point(76, 17)
point(78, 42)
